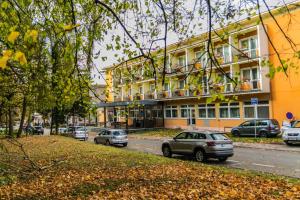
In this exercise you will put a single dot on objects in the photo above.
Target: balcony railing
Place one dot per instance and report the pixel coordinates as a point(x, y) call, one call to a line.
point(247, 54)
point(117, 98)
point(139, 97)
point(179, 93)
point(150, 95)
point(164, 94)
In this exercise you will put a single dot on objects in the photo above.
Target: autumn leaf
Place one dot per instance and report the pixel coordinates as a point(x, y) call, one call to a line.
point(7, 53)
point(20, 57)
point(70, 27)
point(3, 62)
point(13, 36)
point(31, 34)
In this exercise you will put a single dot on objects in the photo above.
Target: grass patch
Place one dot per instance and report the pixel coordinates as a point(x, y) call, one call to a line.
point(275, 140)
point(173, 132)
point(164, 132)
point(91, 171)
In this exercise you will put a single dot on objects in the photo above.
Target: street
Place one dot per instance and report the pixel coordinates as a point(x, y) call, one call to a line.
point(285, 163)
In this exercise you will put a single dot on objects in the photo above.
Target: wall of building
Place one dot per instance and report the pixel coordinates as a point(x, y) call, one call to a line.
point(285, 89)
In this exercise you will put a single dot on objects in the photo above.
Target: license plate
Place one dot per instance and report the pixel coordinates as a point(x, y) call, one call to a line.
point(292, 138)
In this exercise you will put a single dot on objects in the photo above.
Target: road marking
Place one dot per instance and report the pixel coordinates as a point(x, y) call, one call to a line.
point(234, 161)
point(263, 165)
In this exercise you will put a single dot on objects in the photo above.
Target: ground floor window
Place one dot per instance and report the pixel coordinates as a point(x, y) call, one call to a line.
point(171, 111)
point(229, 110)
point(207, 111)
point(185, 109)
point(261, 110)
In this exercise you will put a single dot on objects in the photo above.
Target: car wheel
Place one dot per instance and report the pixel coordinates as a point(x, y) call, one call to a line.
point(263, 134)
point(107, 142)
point(222, 159)
point(167, 151)
point(125, 145)
point(95, 141)
point(200, 155)
point(236, 133)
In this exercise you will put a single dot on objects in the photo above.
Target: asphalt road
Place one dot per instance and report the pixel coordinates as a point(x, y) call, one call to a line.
point(277, 162)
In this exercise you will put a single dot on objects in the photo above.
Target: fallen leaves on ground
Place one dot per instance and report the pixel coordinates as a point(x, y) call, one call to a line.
point(99, 172)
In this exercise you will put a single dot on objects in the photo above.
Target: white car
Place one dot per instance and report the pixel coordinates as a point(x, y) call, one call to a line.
point(292, 135)
point(81, 133)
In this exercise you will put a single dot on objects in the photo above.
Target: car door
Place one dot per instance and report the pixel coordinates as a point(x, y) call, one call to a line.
point(177, 143)
point(246, 128)
point(190, 142)
point(101, 137)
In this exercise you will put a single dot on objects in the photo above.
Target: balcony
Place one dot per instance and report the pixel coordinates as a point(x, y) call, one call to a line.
point(128, 98)
point(180, 93)
point(250, 85)
point(117, 98)
point(138, 96)
point(150, 95)
point(164, 94)
point(178, 69)
point(247, 54)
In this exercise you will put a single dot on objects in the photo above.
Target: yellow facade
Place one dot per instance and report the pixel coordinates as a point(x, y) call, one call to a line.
point(276, 96)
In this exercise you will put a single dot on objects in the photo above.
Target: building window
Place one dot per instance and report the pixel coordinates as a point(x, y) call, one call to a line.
point(260, 111)
point(141, 90)
point(187, 110)
point(171, 111)
point(230, 110)
point(152, 87)
point(181, 61)
point(207, 111)
point(249, 47)
point(184, 111)
point(251, 76)
point(167, 87)
point(181, 84)
point(222, 52)
point(201, 58)
point(225, 81)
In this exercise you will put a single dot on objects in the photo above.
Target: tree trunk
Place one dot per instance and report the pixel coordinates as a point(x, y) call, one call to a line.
point(22, 116)
point(51, 124)
point(10, 122)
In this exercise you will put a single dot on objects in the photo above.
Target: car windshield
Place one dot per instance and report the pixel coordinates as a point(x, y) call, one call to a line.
point(296, 124)
point(38, 127)
point(81, 129)
point(219, 136)
point(117, 133)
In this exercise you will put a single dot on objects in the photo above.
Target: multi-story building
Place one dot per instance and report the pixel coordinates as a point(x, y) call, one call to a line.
point(242, 56)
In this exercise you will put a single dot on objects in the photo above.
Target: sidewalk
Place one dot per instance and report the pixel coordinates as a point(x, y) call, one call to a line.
point(276, 147)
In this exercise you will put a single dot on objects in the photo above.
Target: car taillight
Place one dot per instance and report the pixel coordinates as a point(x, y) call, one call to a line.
point(211, 144)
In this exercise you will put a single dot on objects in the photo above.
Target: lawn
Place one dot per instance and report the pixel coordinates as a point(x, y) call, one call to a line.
point(88, 171)
point(173, 132)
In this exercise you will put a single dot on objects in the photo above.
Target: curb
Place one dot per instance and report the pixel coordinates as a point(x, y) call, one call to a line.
point(274, 147)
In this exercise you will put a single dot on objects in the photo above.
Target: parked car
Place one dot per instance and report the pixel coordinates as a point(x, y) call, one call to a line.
point(264, 128)
point(292, 135)
point(62, 130)
point(72, 129)
point(80, 133)
point(286, 125)
point(112, 137)
point(202, 145)
point(38, 130)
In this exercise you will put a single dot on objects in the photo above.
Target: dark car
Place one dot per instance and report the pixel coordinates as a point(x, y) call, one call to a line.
point(260, 127)
point(38, 130)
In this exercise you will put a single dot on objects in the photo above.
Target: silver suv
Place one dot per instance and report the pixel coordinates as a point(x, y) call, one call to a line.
point(202, 145)
point(112, 137)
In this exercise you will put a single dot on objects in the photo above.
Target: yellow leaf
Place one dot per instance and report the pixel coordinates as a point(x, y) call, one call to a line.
point(5, 5)
point(7, 53)
point(70, 27)
point(13, 36)
point(3, 62)
point(20, 57)
point(33, 34)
